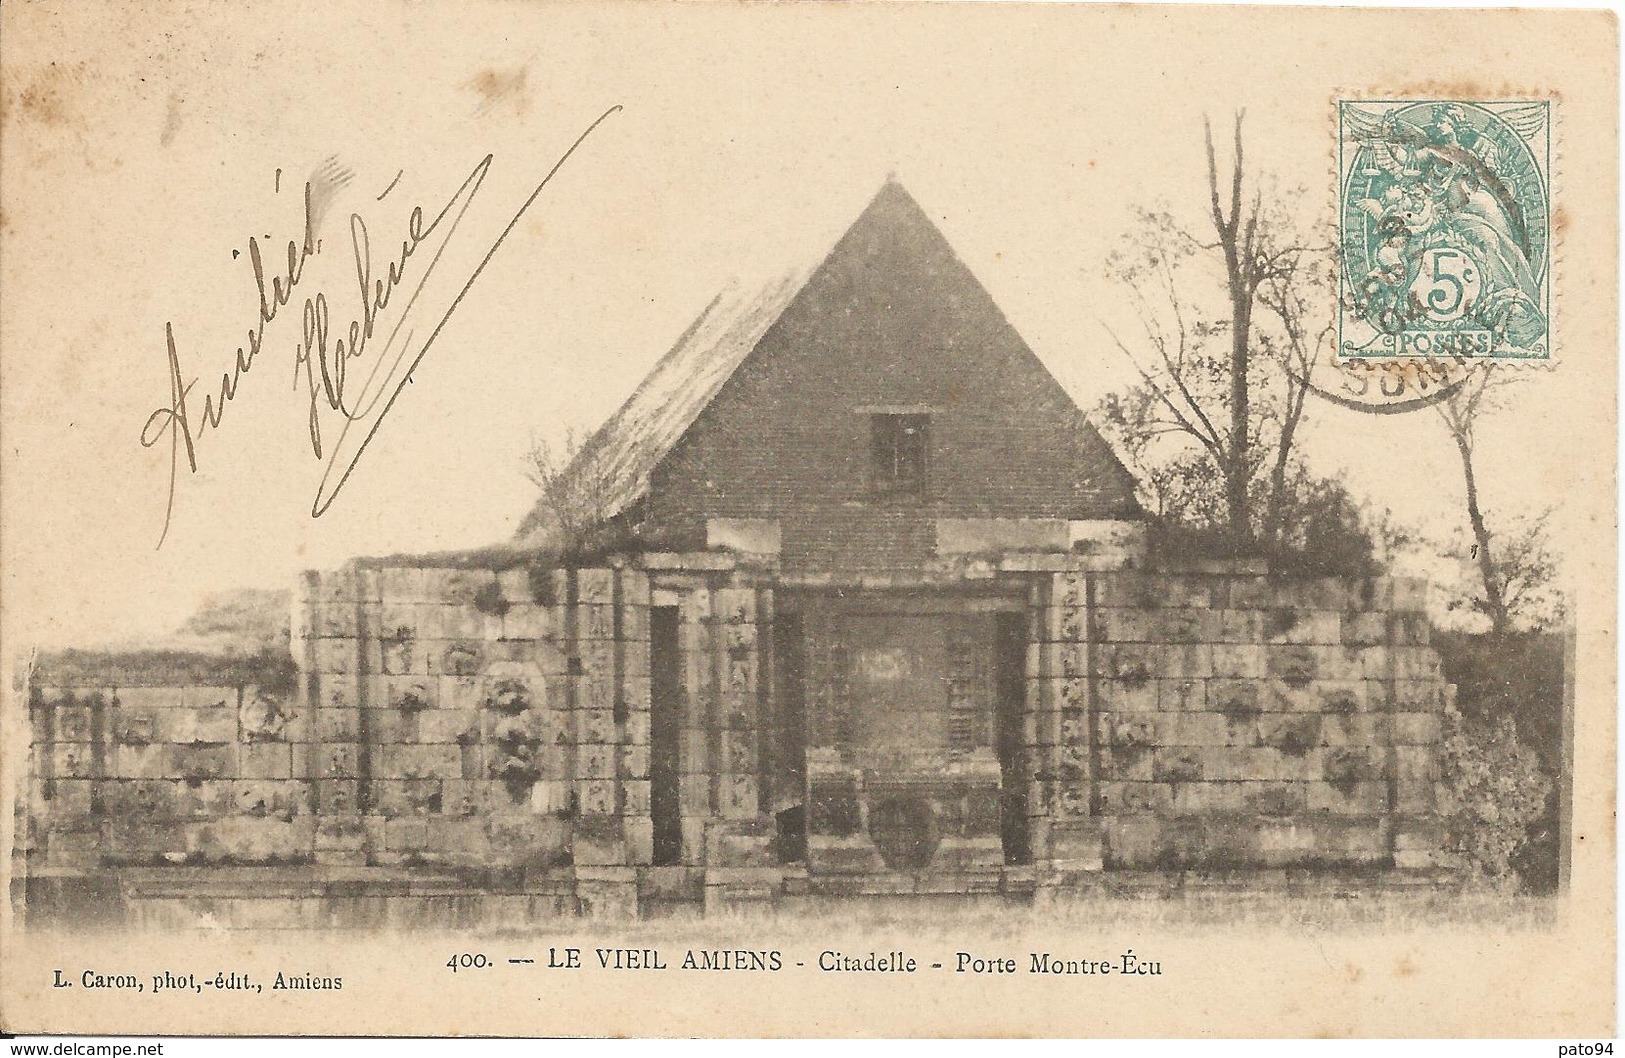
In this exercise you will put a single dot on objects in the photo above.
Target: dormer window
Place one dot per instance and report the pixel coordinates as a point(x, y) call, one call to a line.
point(900, 446)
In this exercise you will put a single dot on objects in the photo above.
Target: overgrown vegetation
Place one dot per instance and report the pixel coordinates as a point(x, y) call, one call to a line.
point(574, 496)
point(575, 517)
point(243, 622)
point(1503, 754)
point(1492, 790)
point(1232, 299)
point(1232, 316)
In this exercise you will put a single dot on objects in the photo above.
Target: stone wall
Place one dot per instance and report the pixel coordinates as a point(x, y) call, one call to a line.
point(456, 739)
point(188, 764)
point(477, 719)
point(1223, 722)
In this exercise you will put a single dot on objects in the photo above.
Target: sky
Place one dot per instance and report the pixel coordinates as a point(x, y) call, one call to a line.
point(143, 149)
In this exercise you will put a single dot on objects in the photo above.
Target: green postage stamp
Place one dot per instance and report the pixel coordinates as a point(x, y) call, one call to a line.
point(1444, 229)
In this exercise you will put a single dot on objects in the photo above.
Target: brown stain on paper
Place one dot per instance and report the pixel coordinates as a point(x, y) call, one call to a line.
point(500, 87)
point(46, 96)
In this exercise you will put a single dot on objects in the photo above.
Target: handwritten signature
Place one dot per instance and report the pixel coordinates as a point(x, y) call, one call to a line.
point(323, 353)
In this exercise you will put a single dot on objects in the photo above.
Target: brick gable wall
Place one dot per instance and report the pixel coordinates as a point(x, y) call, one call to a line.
point(891, 320)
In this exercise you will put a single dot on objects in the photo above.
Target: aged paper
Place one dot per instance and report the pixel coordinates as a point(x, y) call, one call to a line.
point(890, 519)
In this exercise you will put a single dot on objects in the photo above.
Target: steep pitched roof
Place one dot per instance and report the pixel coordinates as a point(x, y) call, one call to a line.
point(621, 456)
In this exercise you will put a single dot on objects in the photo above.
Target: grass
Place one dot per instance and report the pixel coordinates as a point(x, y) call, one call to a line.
point(957, 921)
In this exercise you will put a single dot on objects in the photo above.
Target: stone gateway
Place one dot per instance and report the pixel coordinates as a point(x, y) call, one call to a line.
point(868, 613)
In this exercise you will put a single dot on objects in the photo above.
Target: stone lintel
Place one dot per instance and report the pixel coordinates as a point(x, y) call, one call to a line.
point(750, 536)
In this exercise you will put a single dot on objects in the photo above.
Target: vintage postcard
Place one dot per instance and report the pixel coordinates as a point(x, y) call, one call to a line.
point(895, 519)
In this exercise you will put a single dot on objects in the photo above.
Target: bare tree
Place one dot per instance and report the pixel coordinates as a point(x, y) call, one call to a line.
point(575, 490)
point(1460, 414)
point(1234, 381)
point(1237, 240)
point(1296, 294)
point(1515, 567)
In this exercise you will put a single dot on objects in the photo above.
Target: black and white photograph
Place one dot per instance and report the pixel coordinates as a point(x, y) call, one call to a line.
point(715, 520)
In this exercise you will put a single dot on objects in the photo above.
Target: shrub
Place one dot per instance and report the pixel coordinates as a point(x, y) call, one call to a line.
point(1492, 788)
point(1521, 677)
